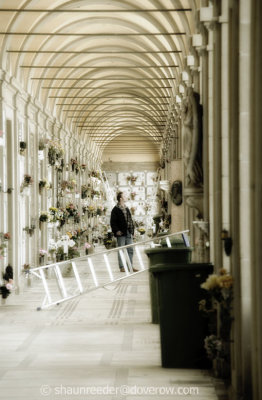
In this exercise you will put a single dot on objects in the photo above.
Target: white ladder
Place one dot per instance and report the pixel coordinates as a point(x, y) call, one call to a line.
point(93, 271)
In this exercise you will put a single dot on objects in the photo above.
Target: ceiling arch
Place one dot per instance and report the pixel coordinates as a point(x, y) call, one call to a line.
point(107, 69)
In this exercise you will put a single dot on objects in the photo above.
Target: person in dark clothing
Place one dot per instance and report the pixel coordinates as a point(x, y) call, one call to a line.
point(122, 227)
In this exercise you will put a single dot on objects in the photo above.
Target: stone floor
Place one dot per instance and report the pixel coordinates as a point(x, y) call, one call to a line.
point(99, 345)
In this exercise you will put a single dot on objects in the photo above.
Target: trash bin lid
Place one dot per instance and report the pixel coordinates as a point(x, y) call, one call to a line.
point(190, 267)
point(168, 250)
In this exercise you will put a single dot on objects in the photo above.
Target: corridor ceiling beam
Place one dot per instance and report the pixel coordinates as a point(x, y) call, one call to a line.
point(109, 97)
point(105, 88)
point(92, 34)
point(100, 67)
point(94, 52)
point(116, 125)
point(102, 79)
point(48, 11)
point(107, 104)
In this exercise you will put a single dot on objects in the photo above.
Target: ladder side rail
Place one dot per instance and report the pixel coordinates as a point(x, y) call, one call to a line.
point(129, 264)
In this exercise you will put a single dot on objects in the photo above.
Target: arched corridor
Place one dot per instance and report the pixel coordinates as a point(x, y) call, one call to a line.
point(160, 99)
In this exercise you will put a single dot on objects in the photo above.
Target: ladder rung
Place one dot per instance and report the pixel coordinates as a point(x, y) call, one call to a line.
point(45, 286)
point(78, 280)
point(123, 261)
point(108, 267)
point(168, 242)
point(91, 266)
point(139, 258)
point(60, 281)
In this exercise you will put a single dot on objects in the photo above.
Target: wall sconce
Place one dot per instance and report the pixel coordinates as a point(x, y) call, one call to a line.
point(228, 242)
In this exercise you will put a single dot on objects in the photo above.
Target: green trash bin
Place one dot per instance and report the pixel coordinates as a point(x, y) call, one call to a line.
point(163, 255)
point(182, 326)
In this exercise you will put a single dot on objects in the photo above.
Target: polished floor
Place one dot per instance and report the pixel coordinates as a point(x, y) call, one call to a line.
point(99, 345)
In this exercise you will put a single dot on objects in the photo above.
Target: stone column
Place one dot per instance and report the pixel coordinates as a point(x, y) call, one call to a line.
point(256, 185)
point(225, 141)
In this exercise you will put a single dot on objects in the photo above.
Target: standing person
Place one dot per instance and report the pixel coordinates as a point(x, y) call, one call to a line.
point(122, 227)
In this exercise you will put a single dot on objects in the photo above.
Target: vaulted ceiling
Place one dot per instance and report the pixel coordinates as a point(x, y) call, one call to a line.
point(108, 69)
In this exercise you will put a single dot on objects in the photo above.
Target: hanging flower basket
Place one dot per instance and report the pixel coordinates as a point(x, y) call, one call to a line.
point(55, 152)
point(23, 147)
point(44, 217)
point(28, 180)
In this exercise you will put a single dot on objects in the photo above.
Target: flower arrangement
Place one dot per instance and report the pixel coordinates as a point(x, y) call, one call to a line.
point(90, 210)
point(73, 253)
point(71, 209)
point(55, 152)
point(2, 250)
point(99, 210)
point(27, 181)
point(217, 308)
point(147, 208)
point(132, 210)
point(108, 240)
point(53, 214)
point(7, 236)
point(23, 147)
point(213, 346)
point(131, 178)
point(26, 268)
point(42, 252)
point(29, 230)
point(95, 193)
point(95, 174)
point(42, 144)
point(71, 184)
point(44, 216)
point(133, 195)
point(84, 190)
point(8, 284)
point(43, 184)
point(87, 246)
point(52, 247)
point(60, 254)
point(64, 185)
point(75, 166)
